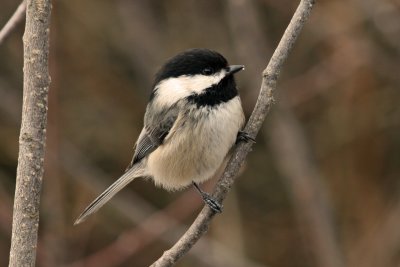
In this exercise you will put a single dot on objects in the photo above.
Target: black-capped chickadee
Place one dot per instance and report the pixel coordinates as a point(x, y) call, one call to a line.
point(192, 120)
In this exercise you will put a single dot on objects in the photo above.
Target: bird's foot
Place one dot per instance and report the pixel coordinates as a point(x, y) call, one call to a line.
point(243, 136)
point(209, 200)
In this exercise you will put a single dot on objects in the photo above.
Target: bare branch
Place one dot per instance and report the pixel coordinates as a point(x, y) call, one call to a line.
point(263, 105)
point(288, 142)
point(33, 134)
point(15, 19)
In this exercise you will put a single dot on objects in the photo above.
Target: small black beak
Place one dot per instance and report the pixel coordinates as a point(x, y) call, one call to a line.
point(234, 68)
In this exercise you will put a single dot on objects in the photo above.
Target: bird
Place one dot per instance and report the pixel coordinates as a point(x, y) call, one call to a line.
point(193, 118)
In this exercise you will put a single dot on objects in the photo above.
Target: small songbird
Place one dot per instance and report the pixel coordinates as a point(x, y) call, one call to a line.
point(193, 118)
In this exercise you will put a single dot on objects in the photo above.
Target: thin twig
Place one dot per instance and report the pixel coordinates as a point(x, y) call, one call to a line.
point(12, 23)
point(289, 144)
point(32, 135)
point(263, 105)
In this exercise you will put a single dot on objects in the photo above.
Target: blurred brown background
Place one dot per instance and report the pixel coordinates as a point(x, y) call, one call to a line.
point(321, 187)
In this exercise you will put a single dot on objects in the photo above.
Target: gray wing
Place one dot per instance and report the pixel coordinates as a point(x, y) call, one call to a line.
point(157, 127)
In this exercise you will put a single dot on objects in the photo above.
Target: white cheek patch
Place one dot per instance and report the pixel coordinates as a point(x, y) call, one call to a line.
point(198, 83)
point(172, 90)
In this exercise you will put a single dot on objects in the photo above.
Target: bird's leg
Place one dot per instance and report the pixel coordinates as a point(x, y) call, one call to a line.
point(212, 203)
point(242, 136)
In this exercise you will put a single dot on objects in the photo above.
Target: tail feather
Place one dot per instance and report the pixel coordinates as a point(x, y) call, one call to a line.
point(108, 194)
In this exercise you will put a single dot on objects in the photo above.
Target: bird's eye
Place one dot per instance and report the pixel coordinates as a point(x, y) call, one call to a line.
point(207, 71)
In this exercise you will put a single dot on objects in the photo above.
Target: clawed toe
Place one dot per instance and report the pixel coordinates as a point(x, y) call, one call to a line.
point(209, 200)
point(243, 136)
point(212, 203)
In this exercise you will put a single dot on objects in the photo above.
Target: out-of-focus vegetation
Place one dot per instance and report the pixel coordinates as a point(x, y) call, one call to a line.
point(339, 89)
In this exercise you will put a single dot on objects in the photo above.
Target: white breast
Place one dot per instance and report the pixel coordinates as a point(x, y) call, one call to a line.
point(196, 145)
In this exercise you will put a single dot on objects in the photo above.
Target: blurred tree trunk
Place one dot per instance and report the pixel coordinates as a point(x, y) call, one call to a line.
point(33, 134)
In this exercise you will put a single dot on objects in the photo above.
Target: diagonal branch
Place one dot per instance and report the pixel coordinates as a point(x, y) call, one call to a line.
point(289, 144)
point(263, 105)
point(15, 19)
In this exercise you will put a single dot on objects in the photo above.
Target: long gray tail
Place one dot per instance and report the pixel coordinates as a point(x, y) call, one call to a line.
point(113, 189)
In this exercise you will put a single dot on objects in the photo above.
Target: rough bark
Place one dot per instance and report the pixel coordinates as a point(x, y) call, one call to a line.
point(33, 134)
